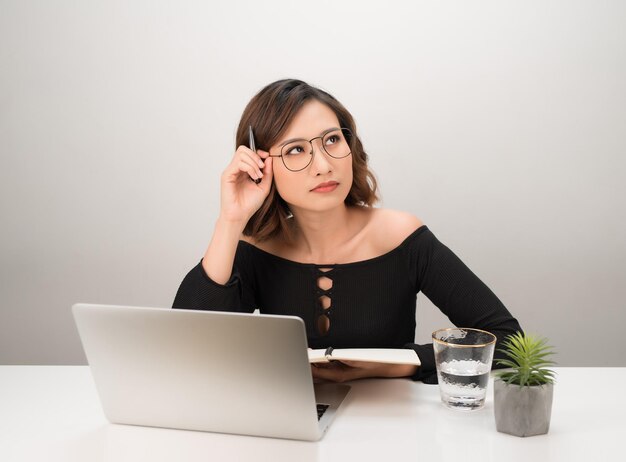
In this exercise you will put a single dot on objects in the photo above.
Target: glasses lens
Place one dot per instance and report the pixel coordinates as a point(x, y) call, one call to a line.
point(297, 155)
point(336, 143)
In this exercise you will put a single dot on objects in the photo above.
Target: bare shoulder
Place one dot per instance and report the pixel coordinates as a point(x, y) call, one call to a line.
point(392, 227)
point(398, 219)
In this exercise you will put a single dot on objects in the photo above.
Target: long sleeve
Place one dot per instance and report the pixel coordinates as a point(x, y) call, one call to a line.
point(199, 292)
point(459, 294)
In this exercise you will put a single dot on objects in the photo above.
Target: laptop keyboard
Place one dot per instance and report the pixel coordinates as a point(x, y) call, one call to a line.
point(321, 408)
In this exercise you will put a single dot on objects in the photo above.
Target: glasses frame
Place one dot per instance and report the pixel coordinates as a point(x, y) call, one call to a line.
point(312, 153)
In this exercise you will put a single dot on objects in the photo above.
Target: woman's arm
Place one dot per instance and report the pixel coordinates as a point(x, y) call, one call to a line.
point(459, 294)
point(213, 284)
point(220, 255)
point(228, 291)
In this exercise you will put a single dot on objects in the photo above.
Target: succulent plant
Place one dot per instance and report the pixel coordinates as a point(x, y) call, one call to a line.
point(527, 359)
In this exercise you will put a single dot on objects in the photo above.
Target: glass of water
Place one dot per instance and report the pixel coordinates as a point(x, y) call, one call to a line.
point(463, 357)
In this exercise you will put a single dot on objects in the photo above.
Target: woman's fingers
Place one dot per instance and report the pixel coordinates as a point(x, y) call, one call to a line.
point(243, 162)
point(265, 172)
point(246, 165)
point(268, 172)
point(240, 197)
point(249, 159)
point(256, 158)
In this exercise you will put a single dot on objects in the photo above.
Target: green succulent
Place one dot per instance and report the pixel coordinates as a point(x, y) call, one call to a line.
point(527, 360)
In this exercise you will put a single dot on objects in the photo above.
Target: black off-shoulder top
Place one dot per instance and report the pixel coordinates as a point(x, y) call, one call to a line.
point(370, 303)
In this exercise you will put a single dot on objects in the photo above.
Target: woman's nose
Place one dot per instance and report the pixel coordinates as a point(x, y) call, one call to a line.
point(320, 163)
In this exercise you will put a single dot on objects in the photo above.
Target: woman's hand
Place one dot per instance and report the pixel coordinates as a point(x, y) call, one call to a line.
point(343, 371)
point(240, 196)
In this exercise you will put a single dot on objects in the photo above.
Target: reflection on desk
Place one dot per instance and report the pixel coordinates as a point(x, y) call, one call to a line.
point(52, 413)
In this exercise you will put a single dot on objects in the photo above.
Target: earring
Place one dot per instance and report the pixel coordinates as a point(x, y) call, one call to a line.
point(289, 214)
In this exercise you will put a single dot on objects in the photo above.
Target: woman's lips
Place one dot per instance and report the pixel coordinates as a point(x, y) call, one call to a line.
point(325, 187)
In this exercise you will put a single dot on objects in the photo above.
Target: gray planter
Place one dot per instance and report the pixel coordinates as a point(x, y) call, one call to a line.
point(522, 411)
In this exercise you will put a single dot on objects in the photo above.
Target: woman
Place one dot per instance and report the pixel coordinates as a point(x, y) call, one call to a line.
point(297, 235)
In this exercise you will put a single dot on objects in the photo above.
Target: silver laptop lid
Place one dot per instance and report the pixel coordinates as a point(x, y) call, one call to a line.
point(201, 370)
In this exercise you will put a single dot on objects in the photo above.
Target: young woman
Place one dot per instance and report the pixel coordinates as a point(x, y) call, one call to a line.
point(297, 235)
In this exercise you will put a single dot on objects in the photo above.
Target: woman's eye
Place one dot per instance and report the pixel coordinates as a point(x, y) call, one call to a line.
point(332, 139)
point(294, 150)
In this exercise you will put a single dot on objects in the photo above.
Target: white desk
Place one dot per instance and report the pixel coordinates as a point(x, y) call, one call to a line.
point(52, 413)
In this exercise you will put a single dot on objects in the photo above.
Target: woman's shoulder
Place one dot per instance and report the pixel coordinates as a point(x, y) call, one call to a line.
point(381, 231)
point(389, 228)
point(399, 219)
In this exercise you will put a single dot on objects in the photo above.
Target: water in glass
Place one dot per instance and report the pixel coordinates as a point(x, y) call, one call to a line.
point(463, 383)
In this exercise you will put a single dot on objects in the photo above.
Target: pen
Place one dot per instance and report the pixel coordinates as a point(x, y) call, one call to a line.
point(253, 147)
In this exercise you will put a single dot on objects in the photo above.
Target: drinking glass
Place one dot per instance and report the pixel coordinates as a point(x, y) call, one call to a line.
point(463, 358)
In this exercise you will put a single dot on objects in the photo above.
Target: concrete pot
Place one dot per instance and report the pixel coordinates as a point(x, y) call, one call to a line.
point(522, 411)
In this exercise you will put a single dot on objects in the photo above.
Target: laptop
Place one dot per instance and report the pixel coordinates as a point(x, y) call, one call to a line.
point(212, 371)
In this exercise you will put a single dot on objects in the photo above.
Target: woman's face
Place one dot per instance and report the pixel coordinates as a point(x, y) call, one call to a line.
point(302, 189)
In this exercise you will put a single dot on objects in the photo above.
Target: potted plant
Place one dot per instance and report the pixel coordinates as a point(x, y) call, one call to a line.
point(523, 393)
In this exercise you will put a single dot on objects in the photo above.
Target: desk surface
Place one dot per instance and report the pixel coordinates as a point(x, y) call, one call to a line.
point(52, 413)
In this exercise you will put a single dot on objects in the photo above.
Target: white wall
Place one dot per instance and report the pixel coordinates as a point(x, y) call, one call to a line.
point(500, 124)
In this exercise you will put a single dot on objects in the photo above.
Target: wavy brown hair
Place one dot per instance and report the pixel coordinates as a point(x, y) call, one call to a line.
point(270, 112)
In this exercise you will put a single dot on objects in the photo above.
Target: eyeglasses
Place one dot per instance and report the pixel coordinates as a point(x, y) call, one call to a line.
point(298, 154)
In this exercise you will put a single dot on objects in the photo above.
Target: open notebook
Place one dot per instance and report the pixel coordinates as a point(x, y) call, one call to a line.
point(374, 355)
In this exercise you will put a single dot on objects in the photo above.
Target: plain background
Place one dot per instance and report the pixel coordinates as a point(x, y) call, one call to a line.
point(500, 124)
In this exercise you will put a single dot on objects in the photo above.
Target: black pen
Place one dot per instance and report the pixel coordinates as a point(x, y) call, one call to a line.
point(253, 147)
